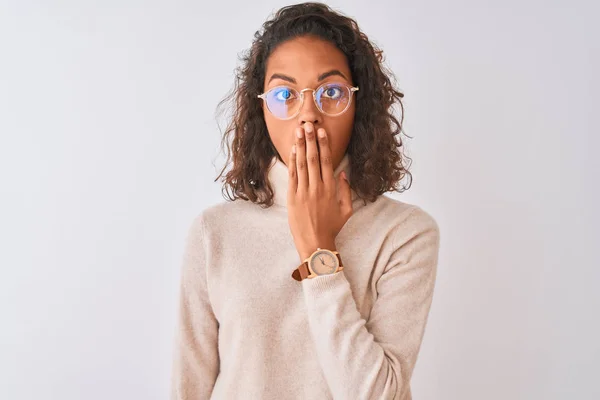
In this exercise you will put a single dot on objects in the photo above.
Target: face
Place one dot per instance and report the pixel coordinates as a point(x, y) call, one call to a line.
point(308, 62)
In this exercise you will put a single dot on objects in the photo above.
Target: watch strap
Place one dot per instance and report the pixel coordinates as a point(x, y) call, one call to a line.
point(303, 271)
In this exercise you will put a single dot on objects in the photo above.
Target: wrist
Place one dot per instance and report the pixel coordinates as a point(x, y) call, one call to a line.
point(307, 253)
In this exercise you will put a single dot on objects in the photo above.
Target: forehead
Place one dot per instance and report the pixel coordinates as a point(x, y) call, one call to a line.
point(305, 58)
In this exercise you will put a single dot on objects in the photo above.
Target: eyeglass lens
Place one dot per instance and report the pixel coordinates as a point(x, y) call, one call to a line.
point(332, 99)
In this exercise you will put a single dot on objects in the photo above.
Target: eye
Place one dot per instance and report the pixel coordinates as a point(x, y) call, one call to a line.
point(283, 94)
point(332, 92)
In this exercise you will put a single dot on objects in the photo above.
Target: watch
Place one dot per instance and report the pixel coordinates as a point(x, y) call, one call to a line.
point(321, 262)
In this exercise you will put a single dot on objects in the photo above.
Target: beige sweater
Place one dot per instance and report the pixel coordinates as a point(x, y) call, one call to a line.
point(248, 330)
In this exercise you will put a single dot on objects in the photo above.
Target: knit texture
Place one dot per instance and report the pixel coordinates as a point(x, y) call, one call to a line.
point(247, 330)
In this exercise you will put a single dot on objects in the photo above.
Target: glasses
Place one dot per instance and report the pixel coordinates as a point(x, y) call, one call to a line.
point(331, 99)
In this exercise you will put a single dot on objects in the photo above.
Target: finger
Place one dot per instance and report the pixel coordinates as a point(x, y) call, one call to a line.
point(312, 156)
point(301, 171)
point(326, 160)
point(293, 175)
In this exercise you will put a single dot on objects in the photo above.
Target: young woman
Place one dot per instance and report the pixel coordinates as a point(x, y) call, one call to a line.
point(309, 283)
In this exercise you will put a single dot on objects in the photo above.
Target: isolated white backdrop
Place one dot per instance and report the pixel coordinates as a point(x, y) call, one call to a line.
point(109, 148)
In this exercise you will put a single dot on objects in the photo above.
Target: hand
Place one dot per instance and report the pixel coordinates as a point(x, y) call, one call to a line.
point(317, 209)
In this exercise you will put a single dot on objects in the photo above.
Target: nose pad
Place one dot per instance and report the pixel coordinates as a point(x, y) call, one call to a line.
point(309, 111)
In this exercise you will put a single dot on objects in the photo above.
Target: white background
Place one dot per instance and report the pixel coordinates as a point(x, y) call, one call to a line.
point(109, 148)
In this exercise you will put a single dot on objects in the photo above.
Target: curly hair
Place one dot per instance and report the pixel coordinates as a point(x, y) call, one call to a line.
point(377, 161)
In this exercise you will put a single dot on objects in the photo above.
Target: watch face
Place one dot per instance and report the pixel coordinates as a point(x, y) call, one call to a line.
point(324, 262)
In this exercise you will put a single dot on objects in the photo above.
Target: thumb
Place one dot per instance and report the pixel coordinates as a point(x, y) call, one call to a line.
point(345, 194)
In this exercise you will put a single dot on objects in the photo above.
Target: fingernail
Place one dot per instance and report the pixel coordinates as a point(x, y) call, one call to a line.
point(308, 127)
point(299, 132)
point(321, 133)
point(294, 149)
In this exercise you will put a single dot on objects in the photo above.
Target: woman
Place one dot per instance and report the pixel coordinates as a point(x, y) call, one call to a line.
point(266, 309)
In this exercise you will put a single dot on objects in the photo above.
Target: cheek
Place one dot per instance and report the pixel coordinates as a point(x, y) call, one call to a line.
point(281, 134)
point(340, 130)
point(341, 127)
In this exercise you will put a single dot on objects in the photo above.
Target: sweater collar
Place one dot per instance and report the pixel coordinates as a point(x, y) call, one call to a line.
point(278, 178)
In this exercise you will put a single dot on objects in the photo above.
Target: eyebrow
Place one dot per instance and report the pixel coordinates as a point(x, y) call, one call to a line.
point(320, 78)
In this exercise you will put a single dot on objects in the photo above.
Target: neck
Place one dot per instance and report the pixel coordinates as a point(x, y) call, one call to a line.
point(279, 179)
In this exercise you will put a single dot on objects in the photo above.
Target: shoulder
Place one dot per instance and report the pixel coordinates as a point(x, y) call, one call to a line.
point(407, 214)
point(409, 220)
point(415, 235)
point(226, 216)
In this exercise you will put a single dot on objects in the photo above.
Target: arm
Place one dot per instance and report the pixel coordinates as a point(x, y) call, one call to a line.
point(374, 359)
point(196, 359)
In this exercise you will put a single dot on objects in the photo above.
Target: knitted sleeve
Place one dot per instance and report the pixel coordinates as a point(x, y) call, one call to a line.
point(196, 360)
point(375, 358)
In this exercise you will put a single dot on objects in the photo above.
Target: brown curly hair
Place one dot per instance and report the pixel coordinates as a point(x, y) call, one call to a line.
point(377, 162)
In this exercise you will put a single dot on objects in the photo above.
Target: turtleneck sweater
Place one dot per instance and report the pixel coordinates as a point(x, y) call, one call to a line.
point(247, 330)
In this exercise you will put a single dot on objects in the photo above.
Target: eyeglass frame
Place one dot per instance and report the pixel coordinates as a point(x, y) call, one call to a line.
point(351, 88)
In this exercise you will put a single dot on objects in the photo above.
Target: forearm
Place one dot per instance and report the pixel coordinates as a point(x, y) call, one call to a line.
point(354, 364)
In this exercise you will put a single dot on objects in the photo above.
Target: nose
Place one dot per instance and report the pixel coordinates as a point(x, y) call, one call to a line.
point(309, 111)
